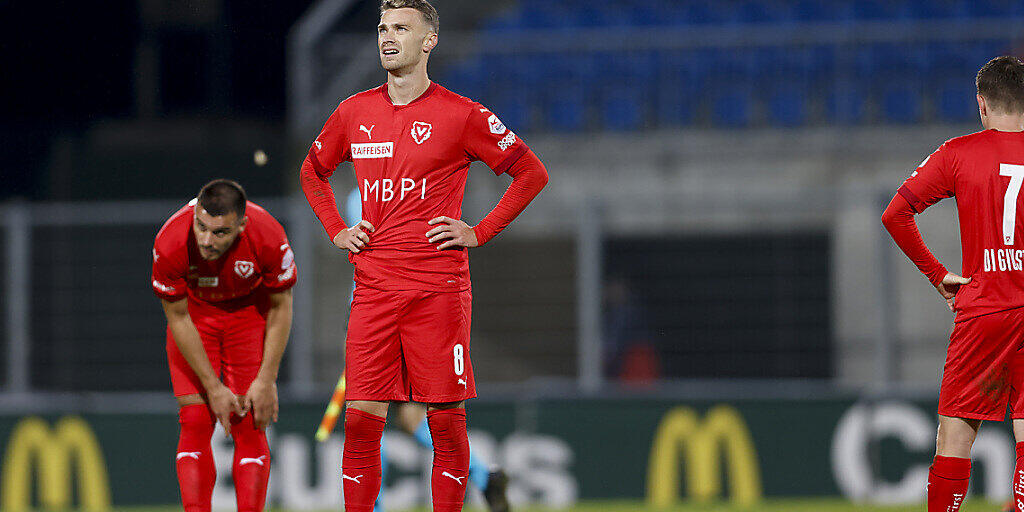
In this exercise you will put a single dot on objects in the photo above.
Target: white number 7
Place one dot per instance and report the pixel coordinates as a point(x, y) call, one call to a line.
point(1016, 174)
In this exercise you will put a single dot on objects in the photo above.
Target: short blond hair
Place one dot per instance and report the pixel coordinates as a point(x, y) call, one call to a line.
point(423, 6)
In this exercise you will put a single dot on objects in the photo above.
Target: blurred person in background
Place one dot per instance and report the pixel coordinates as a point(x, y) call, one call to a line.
point(223, 270)
point(411, 142)
point(984, 367)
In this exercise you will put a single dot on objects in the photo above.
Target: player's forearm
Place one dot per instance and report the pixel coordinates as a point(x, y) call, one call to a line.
point(279, 325)
point(320, 197)
point(186, 337)
point(529, 176)
point(898, 219)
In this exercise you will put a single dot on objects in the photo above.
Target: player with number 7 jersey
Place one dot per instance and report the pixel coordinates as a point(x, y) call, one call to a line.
point(984, 368)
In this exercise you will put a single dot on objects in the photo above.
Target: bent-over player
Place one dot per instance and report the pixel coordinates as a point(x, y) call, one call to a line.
point(223, 270)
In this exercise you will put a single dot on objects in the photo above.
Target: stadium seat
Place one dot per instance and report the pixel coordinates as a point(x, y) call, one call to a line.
point(732, 107)
point(513, 107)
point(955, 101)
point(787, 104)
point(900, 101)
point(565, 111)
point(623, 109)
point(846, 103)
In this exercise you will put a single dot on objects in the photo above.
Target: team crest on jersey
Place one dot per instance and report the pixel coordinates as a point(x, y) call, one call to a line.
point(244, 268)
point(420, 131)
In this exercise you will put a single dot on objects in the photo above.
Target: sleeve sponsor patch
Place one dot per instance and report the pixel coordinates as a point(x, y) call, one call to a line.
point(496, 125)
point(163, 287)
point(288, 259)
point(507, 141)
point(286, 275)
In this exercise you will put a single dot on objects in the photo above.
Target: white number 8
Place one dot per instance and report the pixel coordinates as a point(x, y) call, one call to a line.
point(459, 364)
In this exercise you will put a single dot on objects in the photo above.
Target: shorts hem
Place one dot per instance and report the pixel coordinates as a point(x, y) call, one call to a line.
point(440, 399)
point(370, 397)
point(973, 415)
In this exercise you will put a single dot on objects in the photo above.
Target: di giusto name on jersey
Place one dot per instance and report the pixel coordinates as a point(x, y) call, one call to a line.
point(373, 150)
point(1003, 260)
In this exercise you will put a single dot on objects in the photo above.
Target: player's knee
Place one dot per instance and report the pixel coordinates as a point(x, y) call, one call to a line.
point(196, 417)
point(461, 404)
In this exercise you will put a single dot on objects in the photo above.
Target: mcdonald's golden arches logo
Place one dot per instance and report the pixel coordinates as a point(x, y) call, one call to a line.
point(681, 431)
point(51, 453)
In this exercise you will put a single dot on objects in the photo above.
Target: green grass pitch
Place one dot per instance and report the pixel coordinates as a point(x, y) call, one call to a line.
point(786, 505)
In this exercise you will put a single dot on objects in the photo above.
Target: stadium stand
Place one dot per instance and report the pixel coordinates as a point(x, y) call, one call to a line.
point(789, 85)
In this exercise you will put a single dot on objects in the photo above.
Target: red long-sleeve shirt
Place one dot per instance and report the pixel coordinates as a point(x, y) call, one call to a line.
point(984, 171)
point(411, 163)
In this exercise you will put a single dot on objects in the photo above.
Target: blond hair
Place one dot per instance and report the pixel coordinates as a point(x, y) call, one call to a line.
point(423, 6)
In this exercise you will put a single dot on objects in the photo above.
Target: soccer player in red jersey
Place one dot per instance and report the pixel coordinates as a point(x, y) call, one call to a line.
point(984, 367)
point(411, 142)
point(223, 270)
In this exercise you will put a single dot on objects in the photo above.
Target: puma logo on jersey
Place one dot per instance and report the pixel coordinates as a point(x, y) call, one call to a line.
point(249, 460)
point(421, 131)
point(453, 477)
point(369, 131)
point(353, 478)
point(188, 455)
point(318, 145)
point(463, 382)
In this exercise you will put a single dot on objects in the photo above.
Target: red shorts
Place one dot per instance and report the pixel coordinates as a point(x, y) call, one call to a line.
point(409, 346)
point(985, 368)
point(234, 345)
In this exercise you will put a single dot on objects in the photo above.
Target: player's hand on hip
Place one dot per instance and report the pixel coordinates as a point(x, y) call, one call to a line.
point(949, 286)
point(454, 232)
point(223, 402)
point(354, 238)
point(261, 399)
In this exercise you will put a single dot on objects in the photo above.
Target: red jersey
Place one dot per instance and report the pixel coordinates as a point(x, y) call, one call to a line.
point(259, 261)
point(985, 171)
point(411, 163)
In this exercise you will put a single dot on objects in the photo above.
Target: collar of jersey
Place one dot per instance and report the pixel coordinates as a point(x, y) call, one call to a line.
point(430, 90)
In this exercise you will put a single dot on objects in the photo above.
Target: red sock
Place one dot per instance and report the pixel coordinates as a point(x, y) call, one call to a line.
point(360, 462)
point(1018, 479)
point(194, 461)
point(947, 483)
point(451, 458)
point(251, 468)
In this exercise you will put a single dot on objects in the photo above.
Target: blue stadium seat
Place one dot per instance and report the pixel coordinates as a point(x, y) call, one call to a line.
point(846, 103)
point(732, 107)
point(565, 111)
point(815, 11)
point(955, 101)
point(623, 109)
point(787, 104)
point(900, 101)
point(513, 107)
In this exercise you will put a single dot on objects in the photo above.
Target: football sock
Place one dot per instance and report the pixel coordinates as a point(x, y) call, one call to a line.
point(478, 471)
point(194, 460)
point(378, 506)
point(1018, 479)
point(251, 468)
point(451, 458)
point(360, 462)
point(947, 483)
